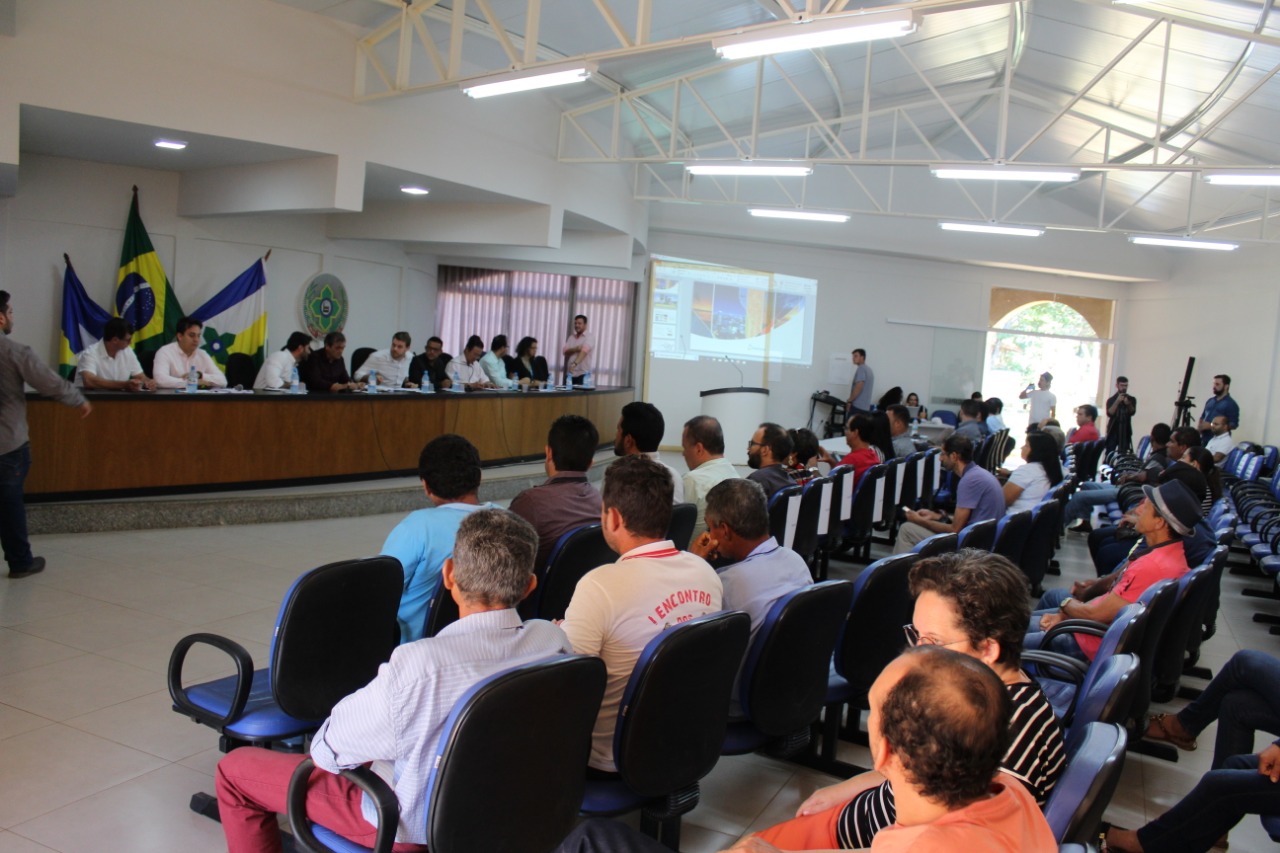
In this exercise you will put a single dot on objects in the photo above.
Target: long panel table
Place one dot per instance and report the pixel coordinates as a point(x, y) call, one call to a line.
point(170, 442)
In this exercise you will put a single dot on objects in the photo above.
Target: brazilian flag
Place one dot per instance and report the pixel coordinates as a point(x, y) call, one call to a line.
point(144, 296)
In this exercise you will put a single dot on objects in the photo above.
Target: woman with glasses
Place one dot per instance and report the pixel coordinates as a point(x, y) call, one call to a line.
point(975, 603)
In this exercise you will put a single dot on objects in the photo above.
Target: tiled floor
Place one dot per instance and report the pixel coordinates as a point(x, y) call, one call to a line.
point(94, 759)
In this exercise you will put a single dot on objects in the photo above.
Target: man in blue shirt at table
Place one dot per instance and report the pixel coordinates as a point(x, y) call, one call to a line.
point(449, 468)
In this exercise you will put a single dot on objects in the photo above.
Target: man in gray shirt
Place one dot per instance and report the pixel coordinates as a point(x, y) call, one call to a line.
point(19, 366)
point(864, 380)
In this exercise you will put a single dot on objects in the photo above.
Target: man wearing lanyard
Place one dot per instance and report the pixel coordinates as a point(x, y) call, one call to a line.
point(618, 608)
point(762, 571)
point(577, 351)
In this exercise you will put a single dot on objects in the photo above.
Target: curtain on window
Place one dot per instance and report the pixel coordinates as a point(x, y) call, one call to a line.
point(469, 302)
point(537, 308)
point(608, 304)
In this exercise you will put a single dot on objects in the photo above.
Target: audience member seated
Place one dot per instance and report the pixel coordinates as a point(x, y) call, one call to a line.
point(529, 367)
point(971, 424)
point(975, 603)
point(618, 608)
point(702, 443)
point(1222, 443)
point(174, 360)
point(389, 367)
point(1164, 518)
point(900, 431)
point(913, 399)
point(995, 422)
point(277, 371)
point(466, 372)
point(1203, 461)
point(1086, 425)
point(979, 497)
point(640, 430)
point(325, 372)
point(1042, 471)
point(1053, 428)
point(431, 366)
point(110, 364)
point(449, 468)
point(939, 728)
point(859, 432)
point(566, 500)
point(1091, 494)
point(495, 366)
point(395, 721)
point(767, 453)
point(805, 454)
point(761, 571)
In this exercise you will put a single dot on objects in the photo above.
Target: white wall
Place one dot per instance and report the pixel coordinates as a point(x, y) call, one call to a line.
point(858, 294)
point(1225, 311)
point(80, 208)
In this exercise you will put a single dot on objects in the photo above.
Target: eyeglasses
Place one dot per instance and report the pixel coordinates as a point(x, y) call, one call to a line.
point(915, 638)
point(753, 443)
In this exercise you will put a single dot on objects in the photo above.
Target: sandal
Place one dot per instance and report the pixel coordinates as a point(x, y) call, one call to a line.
point(1159, 729)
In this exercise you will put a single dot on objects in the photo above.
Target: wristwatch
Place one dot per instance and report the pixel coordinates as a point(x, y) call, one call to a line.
point(1063, 606)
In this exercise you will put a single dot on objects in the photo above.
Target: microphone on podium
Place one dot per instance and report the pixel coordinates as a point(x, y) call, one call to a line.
point(741, 381)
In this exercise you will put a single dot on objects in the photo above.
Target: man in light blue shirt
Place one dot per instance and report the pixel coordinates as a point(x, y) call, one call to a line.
point(763, 571)
point(396, 720)
point(494, 365)
point(449, 468)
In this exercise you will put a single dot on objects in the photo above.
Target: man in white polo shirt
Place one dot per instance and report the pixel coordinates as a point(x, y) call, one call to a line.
point(391, 366)
point(110, 365)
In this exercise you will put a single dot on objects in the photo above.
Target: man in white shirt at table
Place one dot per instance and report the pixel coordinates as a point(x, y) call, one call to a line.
point(277, 370)
point(495, 366)
point(465, 371)
point(175, 360)
point(390, 365)
point(577, 351)
point(110, 365)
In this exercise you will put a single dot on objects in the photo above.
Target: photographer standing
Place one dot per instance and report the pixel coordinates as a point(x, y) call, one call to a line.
point(1120, 410)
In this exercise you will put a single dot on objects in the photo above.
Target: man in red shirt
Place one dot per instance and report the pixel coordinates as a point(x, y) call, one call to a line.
point(1086, 426)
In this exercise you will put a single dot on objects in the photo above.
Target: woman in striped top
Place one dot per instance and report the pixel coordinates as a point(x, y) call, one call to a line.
point(972, 602)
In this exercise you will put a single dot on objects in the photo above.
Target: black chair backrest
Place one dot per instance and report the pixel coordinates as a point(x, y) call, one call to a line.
point(578, 552)
point(1038, 550)
point(684, 517)
point(779, 508)
point(839, 477)
point(1011, 538)
point(675, 709)
point(909, 482)
point(534, 782)
point(1109, 697)
point(147, 360)
point(981, 535)
point(938, 543)
point(442, 610)
point(336, 628)
point(872, 636)
point(928, 470)
point(1083, 792)
point(1160, 606)
point(805, 542)
point(1197, 590)
point(785, 676)
point(858, 528)
point(240, 370)
point(889, 502)
point(359, 357)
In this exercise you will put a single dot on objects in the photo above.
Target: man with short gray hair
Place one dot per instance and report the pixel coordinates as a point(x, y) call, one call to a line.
point(395, 721)
point(702, 444)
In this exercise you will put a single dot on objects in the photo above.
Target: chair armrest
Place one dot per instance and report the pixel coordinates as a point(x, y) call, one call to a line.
point(384, 801)
point(1075, 626)
point(1071, 669)
point(244, 679)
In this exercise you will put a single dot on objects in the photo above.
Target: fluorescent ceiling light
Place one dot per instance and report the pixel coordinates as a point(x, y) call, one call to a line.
point(1182, 243)
point(775, 168)
point(807, 35)
point(173, 144)
point(523, 81)
point(984, 228)
point(1243, 179)
point(412, 190)
point(1006, 173)
point(812, 215)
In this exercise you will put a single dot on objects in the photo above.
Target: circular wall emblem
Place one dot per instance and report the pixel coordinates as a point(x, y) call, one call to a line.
point(324, 305)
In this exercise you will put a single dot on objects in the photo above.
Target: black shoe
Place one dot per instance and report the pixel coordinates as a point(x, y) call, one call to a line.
point(36, 567)
point(1081, 527)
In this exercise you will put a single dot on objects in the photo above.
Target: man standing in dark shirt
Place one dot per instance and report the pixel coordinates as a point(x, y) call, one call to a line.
point(20, 366)
point(1120, 411)
point(766, 454)
point(431, 363)
point(566, 500)
point(325, 372)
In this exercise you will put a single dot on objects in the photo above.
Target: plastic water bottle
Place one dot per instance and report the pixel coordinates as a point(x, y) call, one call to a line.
point(295, 387)
point(427, 387)
point(587, 381)
point(193, 380)
point(372, 387)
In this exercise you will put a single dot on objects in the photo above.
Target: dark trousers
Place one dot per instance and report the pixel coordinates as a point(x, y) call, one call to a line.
point(14, 466)
point(1217, 803)
point(1244, 697)
point(608, 836)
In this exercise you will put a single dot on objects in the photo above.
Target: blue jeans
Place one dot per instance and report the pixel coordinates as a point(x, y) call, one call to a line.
point(1063, 643)
point(1217, 803)
point(14, 466)
point(1088, 496)
point(1243, 697)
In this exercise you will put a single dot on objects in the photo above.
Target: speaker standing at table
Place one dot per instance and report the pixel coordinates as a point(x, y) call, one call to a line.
point(577, 352)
